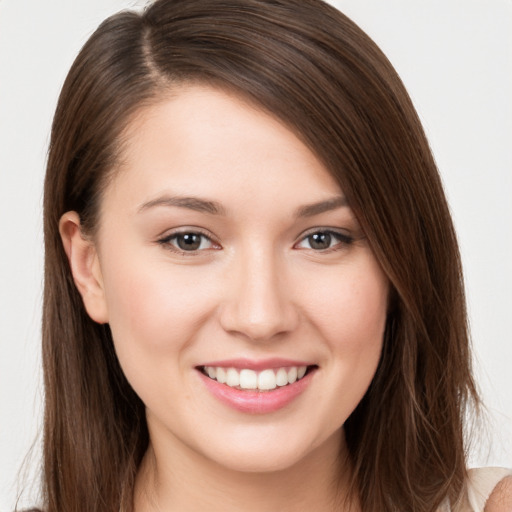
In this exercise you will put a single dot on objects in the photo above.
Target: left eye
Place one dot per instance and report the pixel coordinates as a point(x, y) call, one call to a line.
point(324, 240)
point(188, 242)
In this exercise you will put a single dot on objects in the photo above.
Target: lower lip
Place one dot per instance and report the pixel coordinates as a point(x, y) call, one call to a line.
point(257, 402)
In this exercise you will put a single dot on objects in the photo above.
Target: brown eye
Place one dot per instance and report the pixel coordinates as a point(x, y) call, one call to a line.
point(320, 241)
point(188, 241)
point(324, 241)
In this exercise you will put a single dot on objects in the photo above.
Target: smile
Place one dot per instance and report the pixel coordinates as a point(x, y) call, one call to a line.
point(257, 387)
point(265, 380)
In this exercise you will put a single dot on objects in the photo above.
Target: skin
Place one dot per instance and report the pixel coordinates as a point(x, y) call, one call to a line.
point(256, 288)
point(501, 498)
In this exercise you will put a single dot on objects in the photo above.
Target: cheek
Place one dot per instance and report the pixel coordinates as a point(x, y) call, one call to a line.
point(352, 321)
point(154, 309)
point(352, 309)
point(350, 316)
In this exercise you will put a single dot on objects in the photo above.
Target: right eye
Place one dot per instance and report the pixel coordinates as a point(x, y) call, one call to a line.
point(188, 242)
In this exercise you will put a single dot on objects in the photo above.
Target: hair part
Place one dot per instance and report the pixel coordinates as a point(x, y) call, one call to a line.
point(316, 71)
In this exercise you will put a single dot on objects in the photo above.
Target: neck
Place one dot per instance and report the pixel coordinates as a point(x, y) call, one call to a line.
point(185, 481)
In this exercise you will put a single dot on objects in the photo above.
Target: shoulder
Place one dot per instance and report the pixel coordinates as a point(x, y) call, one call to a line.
point(500, 499)
point(488, 490)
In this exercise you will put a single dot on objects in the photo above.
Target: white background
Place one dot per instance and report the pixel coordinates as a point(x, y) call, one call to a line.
point(455, 57)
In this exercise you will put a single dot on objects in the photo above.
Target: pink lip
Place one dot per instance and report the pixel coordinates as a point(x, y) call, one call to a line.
point(250, 364)
point(257, 402)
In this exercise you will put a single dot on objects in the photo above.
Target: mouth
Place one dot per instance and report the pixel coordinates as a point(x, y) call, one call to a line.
point(257, 387)
point(264, 380)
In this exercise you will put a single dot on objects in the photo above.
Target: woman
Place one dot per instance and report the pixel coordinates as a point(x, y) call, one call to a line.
point(253, 294)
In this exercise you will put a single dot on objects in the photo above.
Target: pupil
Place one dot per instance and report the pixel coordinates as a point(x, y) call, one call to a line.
point(189, 241)
point(320, 241)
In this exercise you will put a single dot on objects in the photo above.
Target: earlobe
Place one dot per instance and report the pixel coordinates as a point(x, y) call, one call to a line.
point(85, 266)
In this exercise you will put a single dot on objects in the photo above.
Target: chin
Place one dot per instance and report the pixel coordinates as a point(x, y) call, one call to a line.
point(262, 462)
point(263, 455)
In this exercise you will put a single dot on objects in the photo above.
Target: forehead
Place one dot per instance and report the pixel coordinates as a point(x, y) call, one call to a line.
point(202, 139)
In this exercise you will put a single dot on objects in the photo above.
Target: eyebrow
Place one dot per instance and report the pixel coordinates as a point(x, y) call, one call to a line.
point(192, 203)
point(309, 210)
point(214, 208)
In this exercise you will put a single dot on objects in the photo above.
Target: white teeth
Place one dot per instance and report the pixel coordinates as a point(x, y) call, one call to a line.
point(292, 374)
point(232, 378)
point(281, 377)
point(221, 375)
point(249, 379)
point(267, 380)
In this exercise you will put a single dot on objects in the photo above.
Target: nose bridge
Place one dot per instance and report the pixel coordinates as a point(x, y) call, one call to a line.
point(259, 305)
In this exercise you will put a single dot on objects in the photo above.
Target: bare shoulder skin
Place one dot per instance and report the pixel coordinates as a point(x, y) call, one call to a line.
point(501, 498)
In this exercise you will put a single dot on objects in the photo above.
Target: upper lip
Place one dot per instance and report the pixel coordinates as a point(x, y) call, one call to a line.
point(256, 365)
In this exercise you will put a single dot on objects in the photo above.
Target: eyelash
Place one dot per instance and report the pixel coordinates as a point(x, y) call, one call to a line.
point(343, 241)
point(166, 242)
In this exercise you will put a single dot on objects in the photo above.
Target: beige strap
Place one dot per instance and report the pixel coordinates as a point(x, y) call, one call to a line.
point(481, 483)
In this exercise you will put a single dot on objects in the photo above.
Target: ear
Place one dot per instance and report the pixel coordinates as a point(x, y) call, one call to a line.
point(85, 266)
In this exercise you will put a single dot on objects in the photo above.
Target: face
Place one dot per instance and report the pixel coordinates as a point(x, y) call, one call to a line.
point(246, 307)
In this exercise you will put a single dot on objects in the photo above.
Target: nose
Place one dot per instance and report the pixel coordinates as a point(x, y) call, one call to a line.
point(258, 304)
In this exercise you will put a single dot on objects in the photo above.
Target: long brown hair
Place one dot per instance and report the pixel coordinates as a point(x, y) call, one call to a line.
point(317, 72)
